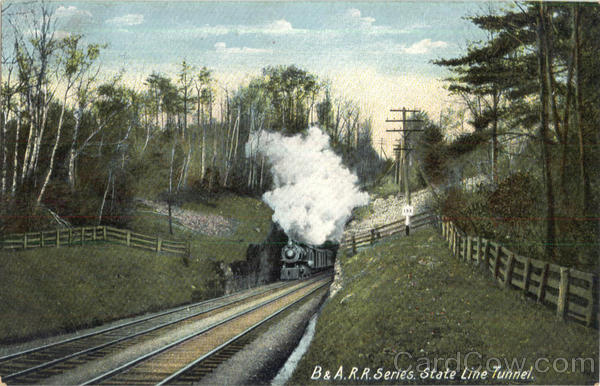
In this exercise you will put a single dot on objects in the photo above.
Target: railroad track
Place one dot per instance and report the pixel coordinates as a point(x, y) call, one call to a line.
point(191, 357)
point(40, 363)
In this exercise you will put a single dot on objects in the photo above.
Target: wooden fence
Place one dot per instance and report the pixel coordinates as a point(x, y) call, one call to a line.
point(353, 241)
point(80, 236)
point(573, 293)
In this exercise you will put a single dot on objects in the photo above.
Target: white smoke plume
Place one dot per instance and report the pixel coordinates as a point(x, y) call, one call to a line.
point(314, 193)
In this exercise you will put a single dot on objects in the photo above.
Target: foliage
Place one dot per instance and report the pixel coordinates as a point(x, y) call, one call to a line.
point(527, 91)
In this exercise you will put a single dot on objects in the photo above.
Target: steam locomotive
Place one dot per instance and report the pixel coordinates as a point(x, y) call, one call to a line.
point(299, 261)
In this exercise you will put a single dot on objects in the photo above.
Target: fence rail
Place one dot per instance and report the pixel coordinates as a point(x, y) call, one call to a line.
point(79, 236)
point(572, 292)
point(356, 240)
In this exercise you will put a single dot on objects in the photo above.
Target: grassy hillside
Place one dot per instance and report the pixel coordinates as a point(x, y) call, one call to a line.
point(49, 290)
point(410, 295)
point(251, 223)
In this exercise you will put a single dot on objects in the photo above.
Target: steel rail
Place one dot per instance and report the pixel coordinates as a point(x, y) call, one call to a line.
point(238, 336)
point(116, 371)
point(125, 324)
point(139, 333)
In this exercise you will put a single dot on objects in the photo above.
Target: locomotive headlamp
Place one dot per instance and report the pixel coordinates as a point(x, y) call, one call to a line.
point(289, 253)
point(311, 263)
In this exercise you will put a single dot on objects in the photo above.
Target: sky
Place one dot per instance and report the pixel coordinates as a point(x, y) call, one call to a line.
point(377, 53)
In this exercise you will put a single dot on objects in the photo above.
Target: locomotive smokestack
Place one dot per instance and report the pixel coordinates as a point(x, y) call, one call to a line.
point(314, 193)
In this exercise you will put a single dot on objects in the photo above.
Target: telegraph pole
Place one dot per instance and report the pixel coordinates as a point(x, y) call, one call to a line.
point(1, 99)
point(401, 151)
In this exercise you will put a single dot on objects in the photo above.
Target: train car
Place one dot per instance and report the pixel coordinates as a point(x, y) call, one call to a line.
point(300, 261)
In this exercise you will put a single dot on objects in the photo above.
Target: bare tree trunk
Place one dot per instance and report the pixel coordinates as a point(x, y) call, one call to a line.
point(586, 197)
point(544, 100)
point(4, 135)
point(551, 82)
point(104, 197)
point(53, 154)
point(28, 149)
point(337, 126)
point(147, 136)
point(171, 188)
point(568, 101)
point(495, 137)
point(72, 151)
point(203, 147)
point(262, 167)
point(38, 142)
point(16, 155)
point(231, 154)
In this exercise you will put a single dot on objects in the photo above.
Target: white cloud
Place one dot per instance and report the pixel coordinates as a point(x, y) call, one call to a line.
point(71, 11)
point(424, 46)
point(387, 30)
point(126, 20)
point(354, 17)
point(277, 27)
point(281, 26)
point(222, 47)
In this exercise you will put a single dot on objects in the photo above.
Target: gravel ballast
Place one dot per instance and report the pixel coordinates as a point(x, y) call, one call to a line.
point(259, 362)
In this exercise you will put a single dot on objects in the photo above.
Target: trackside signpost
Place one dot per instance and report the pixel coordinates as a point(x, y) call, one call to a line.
point(407, 211)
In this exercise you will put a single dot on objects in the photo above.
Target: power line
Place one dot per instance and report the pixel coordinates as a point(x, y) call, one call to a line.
point(401, 150)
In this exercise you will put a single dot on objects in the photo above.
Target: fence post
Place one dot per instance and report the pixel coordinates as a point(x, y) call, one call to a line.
point(454, 239)
point(465, 247)
point(128, 238)
point(563, 290)
point(57, 238)
point(526, 274)
point(486, 254)
point(509, 270)
point(496, 262)
point(372, 236)
point(94, 235)
point(353, 244)
point(70, 236)
point(42, 239)
point(104, 232)
point(25, 241)
point(469, 248)
point(543, 280)
point(478, 253)
point(158, 244)
point(592, 302)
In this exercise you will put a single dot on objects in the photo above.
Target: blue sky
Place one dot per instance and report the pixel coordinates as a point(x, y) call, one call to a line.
point(376, 52)
point(392, 37)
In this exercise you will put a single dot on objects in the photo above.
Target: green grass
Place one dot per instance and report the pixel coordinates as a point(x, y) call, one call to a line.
point(391, 303)
point(50, 290)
